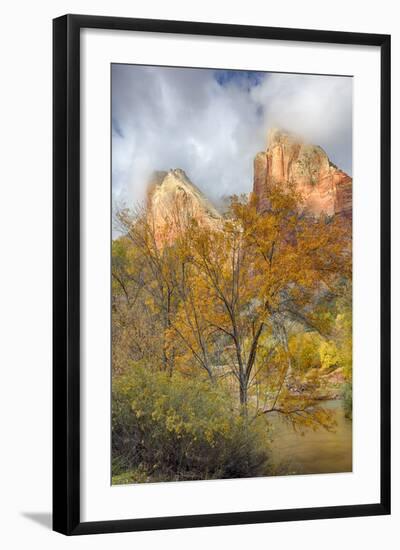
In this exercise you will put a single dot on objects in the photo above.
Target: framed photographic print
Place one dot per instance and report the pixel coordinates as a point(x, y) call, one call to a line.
point(221, 274)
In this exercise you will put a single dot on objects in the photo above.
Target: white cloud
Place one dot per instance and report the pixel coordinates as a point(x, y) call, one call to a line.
point(184, 118)
point(317, 107)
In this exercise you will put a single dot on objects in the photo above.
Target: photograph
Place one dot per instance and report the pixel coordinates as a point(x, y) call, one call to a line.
point(197, 296)
point(231, 273)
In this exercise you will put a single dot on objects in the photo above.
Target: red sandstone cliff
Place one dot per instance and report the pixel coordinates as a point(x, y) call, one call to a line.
point(173, 201)
point(325, 187)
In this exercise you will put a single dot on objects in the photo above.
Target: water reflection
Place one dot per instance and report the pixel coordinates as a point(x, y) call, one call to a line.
point(314, 452)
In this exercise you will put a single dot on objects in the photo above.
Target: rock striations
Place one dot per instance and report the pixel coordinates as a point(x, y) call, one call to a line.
point(325, 188)
point(173, 202)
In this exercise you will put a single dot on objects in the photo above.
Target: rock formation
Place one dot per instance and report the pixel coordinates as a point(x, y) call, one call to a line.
point(173, 202)
point(325, 187)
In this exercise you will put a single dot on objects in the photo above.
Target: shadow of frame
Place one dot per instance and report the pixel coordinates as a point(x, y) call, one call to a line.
point(42, 518)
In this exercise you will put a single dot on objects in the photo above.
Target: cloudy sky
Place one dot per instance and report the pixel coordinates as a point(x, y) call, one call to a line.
point(211, 123)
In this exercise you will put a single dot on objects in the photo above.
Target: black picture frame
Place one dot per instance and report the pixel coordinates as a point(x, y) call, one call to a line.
point(66, 273)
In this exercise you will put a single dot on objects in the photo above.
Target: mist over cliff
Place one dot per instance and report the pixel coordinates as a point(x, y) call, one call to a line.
point(211, 123)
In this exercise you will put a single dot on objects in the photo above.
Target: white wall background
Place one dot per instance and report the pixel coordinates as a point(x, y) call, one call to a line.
point(25, 289)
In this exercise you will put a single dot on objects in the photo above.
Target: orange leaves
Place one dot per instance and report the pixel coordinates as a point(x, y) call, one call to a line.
point(220, 298)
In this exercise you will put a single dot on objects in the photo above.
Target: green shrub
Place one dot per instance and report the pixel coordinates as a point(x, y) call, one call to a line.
point(174, 428)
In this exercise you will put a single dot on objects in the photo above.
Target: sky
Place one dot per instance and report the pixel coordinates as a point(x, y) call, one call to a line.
point(211, 123)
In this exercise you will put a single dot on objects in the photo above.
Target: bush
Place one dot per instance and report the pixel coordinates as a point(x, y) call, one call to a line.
point(175, 428)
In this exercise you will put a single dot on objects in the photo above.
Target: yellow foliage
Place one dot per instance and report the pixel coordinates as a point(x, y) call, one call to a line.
point(254, 297)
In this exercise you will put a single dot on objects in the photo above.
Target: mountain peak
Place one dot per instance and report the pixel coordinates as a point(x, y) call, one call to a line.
point(277, 136)
point(173, 202)
point(290, 159)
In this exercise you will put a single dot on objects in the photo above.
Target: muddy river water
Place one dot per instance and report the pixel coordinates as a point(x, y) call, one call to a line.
point(314, 452)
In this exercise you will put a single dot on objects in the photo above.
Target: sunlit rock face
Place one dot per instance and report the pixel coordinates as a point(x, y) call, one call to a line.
point(324, 187)
point(173, 202)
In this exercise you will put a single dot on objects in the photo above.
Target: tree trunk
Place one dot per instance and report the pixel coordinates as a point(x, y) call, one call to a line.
point(243, 396)
point(167, 361)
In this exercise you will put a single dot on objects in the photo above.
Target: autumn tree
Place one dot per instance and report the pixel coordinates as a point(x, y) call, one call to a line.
point(234, 296)
point(145, 277)
point(252, 277)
